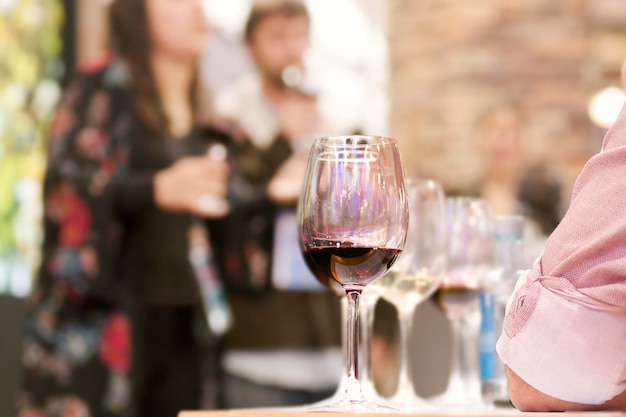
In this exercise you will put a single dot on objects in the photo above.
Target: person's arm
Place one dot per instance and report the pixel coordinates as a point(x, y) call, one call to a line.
point(180, 187)
point(197, 184)
point(285, 186)
point(526, 398)
point(564, 334)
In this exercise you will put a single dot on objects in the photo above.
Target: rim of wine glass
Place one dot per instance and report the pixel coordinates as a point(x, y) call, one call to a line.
point(332, 141)
point(428, 183)
point(470, 200)
point(467, 198)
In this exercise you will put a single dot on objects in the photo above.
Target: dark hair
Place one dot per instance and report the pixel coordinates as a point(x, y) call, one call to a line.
point(130, 40)
point(263, 9)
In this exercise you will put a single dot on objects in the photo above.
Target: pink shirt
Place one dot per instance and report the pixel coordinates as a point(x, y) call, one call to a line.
point(565, 327)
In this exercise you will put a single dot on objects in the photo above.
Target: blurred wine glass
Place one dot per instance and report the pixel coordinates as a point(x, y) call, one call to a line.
point(470, 252)
point(353, 215)
point(418, 274)
point(369, 300)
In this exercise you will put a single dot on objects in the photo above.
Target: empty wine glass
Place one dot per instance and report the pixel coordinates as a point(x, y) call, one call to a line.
point(418, 274)
point(470, 251)
point(353, 215)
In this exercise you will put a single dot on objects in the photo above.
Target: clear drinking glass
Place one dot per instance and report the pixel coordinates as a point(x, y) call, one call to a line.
point(470, 252)
point(353, 215)
point(418, 274)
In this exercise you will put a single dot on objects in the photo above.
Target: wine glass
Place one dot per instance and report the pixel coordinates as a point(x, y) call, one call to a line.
point(368, 302)
point(418, 274)
point(353, 214)
point(470, 251)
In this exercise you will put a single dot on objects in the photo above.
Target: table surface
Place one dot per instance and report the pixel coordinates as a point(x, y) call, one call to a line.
point(298, 412)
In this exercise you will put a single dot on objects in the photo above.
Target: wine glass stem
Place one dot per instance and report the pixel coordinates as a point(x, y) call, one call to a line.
point(353, 388)
point(343, 383)
point(368, 308)
point(456, 383)
point(405, 317)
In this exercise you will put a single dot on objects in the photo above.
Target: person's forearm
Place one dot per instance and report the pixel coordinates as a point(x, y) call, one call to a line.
point(526, 398)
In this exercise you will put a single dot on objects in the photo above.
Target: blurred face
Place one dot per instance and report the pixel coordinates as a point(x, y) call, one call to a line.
point(279, 41)
point(177, 27)
point(500, 139)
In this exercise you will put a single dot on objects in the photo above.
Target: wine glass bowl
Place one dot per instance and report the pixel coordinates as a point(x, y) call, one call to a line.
point(353, 215)
point(353, 209)
point(422, 266)
point(470, 248)
point(418, 274)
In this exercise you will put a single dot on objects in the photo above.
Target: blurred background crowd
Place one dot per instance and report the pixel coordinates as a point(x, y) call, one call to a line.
point(490, 98)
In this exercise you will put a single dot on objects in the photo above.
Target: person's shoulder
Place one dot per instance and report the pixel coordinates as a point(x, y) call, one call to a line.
point(94, 65)
point(615, 137)
point(102, 72)
point(541, 175)
point(91, 70)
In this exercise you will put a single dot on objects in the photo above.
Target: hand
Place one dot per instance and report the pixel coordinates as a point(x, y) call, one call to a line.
point(298, 116)
point(198, 185)
point(229, 126)
point(286, 185)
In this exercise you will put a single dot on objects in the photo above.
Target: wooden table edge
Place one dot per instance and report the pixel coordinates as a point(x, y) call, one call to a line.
point(290, 412)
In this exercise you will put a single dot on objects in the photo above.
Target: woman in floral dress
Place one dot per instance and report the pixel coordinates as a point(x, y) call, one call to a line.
point(127, 169)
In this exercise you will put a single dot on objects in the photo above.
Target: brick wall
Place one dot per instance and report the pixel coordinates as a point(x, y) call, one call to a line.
point(453, 59)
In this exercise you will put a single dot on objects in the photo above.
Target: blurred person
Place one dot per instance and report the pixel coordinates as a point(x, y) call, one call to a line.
point(510, 184)
point(564, 336)
point(284, 346)
point(113, 325)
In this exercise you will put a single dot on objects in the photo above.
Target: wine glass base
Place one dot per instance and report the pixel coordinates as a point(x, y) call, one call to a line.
point(455, 403)
point(361, 405)
point(410, 402)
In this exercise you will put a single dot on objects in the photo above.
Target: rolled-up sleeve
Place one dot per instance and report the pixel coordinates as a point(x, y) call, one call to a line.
point(565, 327)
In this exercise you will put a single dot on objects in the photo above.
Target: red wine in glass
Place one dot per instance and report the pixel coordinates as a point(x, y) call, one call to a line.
point(350, 266)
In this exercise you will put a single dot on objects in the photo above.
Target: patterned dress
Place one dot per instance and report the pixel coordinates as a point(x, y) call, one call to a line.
point(76, 353)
